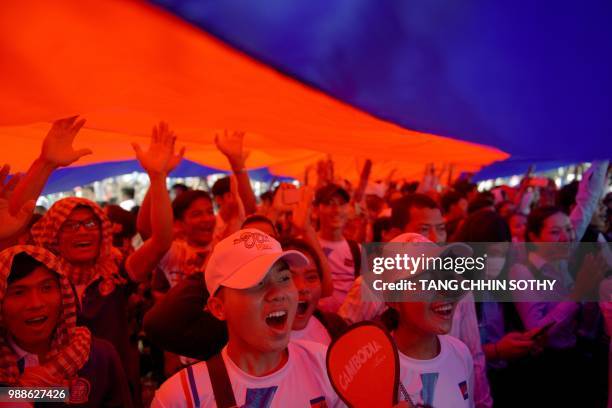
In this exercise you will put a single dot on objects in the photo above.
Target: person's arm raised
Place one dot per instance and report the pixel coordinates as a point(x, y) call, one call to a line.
point(523, 207)
point(11, 225)
point(57, 151)
point(590, 190)
point(143, 222)
point(301, 226)
point(156, 161)
point(232, 147)
point(363, 181)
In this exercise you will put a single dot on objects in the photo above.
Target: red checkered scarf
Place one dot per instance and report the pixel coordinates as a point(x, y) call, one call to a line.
point(45, 233)
point(70, 345)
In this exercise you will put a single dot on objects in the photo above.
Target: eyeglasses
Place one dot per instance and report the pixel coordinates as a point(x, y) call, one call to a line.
point(74, 226)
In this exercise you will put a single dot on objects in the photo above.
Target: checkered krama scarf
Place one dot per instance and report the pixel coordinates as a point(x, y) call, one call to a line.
point(45, 233)
point(70, 345)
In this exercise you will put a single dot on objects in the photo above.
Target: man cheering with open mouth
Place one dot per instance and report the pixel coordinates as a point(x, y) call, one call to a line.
point(251, 289)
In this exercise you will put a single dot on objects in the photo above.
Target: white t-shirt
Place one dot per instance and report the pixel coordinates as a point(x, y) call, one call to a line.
point(444, 381)
point(465, 327)
point(302, 382)
point(314, 331)
point(181, 260)
point(342, 268)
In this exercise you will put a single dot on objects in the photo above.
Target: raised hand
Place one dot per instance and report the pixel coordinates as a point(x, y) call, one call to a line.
point(175, 160)
point(233, 210)
point(7, 188)
point(514, 345)
point(12, 224)
point(300, 221)
point(589, 277)
point(159, 158)
point(278, 205)
point(363, 181)
point(57, 147)
point(232, 146)
point(325, 172)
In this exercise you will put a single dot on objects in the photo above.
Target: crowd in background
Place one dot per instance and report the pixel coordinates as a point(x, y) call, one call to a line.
point(130, 298)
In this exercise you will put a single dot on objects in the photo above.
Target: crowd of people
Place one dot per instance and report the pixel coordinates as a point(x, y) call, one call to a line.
point(221, 298)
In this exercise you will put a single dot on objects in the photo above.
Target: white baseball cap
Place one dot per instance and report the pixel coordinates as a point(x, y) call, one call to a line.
point(415, 245)
point(243, 259)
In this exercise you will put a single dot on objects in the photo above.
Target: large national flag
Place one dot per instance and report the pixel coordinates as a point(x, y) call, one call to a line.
point(125, 65)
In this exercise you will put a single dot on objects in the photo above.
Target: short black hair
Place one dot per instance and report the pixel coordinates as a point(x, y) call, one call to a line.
point(482, 200)
point(409, 188)
point(305, 247)
point(566, 196)
point(381, 225)
point(183, 201)
point(324, 194)
point(267, 196)
point(400, 210)
point(449, 199)
point(221, 187)
point(258, 218)
point(179, 186)
point(483, 226)
point(464, 187)
point(22, 266)
point(537, 217)
point(128, 192)
point(126, 219)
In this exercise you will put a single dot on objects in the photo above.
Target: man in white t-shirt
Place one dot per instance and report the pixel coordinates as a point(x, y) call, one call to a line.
point(419, 213)
point(436, 369)
point(251, 289)
point(332, 206)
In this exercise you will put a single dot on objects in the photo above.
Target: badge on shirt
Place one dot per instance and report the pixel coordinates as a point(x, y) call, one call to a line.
point(79, 391)
point(260, 397)
point(318, 403)
point(464, 389)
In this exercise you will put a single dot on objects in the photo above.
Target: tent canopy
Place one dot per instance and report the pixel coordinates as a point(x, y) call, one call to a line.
point(67, 178)
point(125, 65)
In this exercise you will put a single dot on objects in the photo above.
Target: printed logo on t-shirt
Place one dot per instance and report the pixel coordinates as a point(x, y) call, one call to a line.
point(349, 262)
point(464, 389)
point(254, 239)
point(79, 391)
point(429, 381)
point(259, 397)
point(318, 402)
